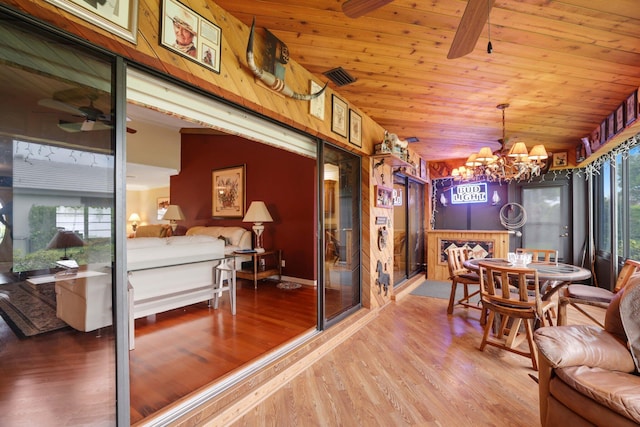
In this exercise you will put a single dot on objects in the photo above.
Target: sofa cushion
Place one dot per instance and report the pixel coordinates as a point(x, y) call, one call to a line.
point(577, 345)
point(613, 319)
point(629, 309)
point(153, 230)
point(613, 389)
point(233, 234)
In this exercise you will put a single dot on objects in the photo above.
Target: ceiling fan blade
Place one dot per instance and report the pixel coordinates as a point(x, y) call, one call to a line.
point(60, 106)
point(87, 125)
point(473, 19)
point(357, 8)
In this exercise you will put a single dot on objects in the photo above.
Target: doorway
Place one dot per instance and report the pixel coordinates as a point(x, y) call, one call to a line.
point(548, 223)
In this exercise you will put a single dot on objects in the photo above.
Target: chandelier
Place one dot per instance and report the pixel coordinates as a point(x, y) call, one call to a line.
point(519, 163)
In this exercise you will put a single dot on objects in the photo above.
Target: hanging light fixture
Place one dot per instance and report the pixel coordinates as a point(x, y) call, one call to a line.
point(518, 163)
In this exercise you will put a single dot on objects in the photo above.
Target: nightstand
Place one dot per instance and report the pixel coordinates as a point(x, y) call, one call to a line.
point(264, 264)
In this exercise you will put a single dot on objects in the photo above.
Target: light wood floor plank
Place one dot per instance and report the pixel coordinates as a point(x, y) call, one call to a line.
point(411, 366)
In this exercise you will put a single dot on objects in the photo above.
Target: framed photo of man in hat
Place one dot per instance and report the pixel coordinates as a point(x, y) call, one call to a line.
point(187, 33)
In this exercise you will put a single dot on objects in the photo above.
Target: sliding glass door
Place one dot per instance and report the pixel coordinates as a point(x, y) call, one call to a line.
point(57, 215)
point(341, 233)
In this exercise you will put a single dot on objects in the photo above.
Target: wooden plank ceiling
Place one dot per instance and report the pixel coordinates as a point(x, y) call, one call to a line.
point(563, 66)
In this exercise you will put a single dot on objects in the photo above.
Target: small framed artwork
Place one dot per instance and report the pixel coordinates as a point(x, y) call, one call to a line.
point(384, 197)
point(560, 159)
point(355, 128)
point(316, 105)
point(162, 203)
point(631, 108)
point(228, 192)
point(338, 116)
point(619, 118)
point(596, 139)
point(119, 17)
point(190, 35)
point(611, 126)
point(423, 168)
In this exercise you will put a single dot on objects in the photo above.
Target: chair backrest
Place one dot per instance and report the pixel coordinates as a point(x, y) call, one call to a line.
point(455, 261)
point(629, 268)
point(509, 286)
point(545, 255)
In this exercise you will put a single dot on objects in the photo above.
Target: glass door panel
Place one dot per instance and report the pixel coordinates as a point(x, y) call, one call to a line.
point(57, 210)
point(548, 223)
point(341, 225)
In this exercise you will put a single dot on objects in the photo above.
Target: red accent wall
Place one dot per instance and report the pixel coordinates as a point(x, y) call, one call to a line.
point(286, 182)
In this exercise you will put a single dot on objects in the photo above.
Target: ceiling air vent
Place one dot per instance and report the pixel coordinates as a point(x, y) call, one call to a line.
point(339, 76)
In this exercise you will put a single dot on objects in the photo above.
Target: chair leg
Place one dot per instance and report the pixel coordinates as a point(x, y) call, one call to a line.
point(452, 297)
point(487, 329)
point(528, 324)
point(562, 311)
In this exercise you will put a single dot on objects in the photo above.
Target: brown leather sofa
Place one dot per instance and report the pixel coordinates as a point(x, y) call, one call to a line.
point(588, 376)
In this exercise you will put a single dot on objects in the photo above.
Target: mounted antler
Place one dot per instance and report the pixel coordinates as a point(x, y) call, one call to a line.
point(272, 81)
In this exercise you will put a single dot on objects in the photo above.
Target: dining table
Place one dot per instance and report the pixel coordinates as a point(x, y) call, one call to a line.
point(553, 275)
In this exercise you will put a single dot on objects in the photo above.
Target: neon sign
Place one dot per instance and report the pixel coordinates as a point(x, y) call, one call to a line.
point(469, 193)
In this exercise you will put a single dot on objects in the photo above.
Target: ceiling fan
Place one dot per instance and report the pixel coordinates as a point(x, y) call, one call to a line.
point(473, 19)
point(94, 118)
point(358, 8)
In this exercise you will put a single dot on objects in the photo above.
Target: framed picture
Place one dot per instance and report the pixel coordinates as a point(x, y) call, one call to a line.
point(316, 105)
point(119, 17)
point(631, 108)
point(186, 33)
point(355, 128)
point(162, 203)
point(560, 159)
point(338, 116)
point(619, 118)
point(611, 130)
point(228, 192)
point(423, 168)
point(384, 197)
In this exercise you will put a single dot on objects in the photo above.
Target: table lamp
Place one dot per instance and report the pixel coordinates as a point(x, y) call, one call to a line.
point(134, 218)
point(173, 214)
point(258, 213)
point(64, 239)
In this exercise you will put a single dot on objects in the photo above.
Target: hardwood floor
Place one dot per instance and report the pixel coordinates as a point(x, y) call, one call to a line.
point(412, 365)
point(67, 377)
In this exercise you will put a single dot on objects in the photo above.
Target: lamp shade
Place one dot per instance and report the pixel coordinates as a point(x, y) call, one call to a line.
point(64, 239)
point(485, 155)
point(257, 212)
point(538, 152)
point(519, 151)
point(173, 213)
point(134, 217)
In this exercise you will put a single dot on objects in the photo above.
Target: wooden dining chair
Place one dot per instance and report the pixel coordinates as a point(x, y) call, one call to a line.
point(513, 308)
point(586, 295)
point(459, 274)
point(540, 255)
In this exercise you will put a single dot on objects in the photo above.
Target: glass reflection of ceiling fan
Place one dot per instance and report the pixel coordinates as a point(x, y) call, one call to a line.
point(94, 118)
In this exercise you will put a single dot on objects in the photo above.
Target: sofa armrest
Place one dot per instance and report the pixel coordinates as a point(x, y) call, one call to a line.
point(578, 345)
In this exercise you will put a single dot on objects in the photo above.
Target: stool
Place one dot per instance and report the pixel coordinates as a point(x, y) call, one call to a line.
point(225, 271)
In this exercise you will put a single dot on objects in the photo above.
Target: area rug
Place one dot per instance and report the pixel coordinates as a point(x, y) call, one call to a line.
point(441, 290)
point(288, 285)
point(29, 310)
